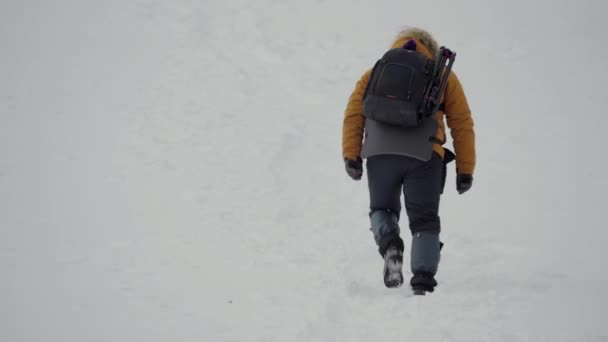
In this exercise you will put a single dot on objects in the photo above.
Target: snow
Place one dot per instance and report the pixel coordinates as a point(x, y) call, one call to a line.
point(171, 171)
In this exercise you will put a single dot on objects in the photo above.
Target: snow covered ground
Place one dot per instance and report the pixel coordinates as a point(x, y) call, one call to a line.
point(171, 171)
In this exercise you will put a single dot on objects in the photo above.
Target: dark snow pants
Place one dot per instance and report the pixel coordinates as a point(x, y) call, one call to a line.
point(422, 184)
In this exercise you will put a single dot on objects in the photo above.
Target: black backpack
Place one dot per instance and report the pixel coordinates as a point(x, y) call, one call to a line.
point(405, 86)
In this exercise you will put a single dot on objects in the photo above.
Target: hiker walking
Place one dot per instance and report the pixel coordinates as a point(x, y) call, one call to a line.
point(395, 119)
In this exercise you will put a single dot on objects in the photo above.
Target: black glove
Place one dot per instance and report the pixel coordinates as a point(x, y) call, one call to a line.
point(354, 168)
point(464, 182)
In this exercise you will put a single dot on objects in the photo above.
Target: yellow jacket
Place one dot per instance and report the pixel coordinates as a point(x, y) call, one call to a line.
point(456, 113)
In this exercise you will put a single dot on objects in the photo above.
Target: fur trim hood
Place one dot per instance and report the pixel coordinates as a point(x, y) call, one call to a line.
point(422, 36)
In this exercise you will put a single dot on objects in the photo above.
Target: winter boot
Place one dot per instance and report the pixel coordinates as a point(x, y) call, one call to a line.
point(422, 283)
point(425, 255)
point(391, 249)
point(393, 263)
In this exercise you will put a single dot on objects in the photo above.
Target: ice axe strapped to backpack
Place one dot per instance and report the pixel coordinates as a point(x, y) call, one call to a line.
point(406, 87)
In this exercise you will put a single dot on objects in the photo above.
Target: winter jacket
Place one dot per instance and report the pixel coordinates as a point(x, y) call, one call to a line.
point(456, 111)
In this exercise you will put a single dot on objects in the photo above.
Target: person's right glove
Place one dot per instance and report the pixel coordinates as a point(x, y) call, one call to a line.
point(464, 182)
point(354, 168)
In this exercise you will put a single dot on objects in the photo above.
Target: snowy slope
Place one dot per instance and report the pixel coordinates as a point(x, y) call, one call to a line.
point(171, 171)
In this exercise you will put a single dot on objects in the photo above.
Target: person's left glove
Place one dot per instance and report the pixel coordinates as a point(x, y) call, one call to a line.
point(354, 168)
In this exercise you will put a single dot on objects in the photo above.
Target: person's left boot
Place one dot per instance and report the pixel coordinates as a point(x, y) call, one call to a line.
point(393, 264)
point(391, 249)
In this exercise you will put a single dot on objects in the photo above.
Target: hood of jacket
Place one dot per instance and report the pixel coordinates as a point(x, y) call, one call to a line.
point(425, 42)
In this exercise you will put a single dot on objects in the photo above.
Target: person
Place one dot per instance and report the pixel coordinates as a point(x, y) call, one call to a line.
point(393, 165)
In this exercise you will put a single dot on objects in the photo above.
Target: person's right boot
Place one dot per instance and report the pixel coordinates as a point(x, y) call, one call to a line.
point(425, 255)
point(422, 283)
